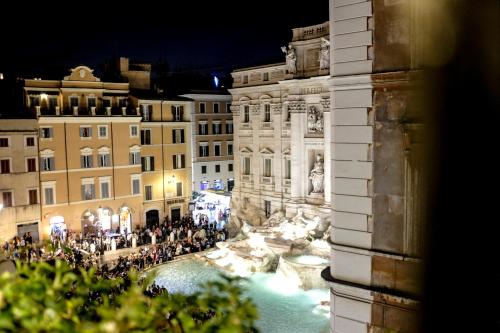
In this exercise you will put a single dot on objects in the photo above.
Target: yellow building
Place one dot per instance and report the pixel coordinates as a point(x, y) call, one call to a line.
point(166, 155)
point(19, 182)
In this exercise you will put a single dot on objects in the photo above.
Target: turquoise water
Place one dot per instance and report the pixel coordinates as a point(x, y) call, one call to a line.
point(282, 308)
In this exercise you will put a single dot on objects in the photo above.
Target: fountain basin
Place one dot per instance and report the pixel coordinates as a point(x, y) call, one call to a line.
point(303, 270)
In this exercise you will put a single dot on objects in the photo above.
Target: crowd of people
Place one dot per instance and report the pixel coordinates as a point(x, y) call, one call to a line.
point(161, 244)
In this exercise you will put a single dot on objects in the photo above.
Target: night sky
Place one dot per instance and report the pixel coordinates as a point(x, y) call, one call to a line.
point(211, 36)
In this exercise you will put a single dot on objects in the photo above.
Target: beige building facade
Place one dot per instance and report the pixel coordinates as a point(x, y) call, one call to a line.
point(212, 145)
point(19, 180)
point(104, 164)
point(280, 112)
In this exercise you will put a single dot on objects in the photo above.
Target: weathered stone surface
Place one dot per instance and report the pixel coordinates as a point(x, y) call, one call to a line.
point(384, 270)
point(387, 226)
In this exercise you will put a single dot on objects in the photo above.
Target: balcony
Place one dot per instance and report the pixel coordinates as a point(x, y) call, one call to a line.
point(267, 180)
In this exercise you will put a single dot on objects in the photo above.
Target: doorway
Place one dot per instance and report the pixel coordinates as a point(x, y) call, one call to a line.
point(175, 214)
point(152, 218)
point(32, 228)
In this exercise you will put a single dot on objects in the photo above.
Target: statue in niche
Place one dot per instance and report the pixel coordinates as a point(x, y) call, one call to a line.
point(291, 58)
point(324, 54)
point(314, 120)
point(317, 175)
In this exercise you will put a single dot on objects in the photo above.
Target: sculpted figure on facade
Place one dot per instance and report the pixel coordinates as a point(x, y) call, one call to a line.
point(291, 58)
point(324, 54)
point(314, 120)
point(317, 175)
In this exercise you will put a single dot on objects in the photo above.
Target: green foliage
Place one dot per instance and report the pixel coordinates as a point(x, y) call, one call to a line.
point(56, 298)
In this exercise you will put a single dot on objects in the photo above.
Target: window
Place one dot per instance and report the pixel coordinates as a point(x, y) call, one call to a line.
point(32, 197)
point(145, 137)
point(267, 207)
point(230, 149)
point(265, 76)
point(73, 101)
point(245, 79)
point(106, 102)
point(134, 130)
point(216, 128)
point(104, 181)
point(203, 169)
point(228, 107)
point(7, 199)
point(148, 163)
point(148, 192)
point(246, 114)
point(178, 135)
point(177, 112)
point(179, 161)
point(88, 190)
point(217, 149)
point(86, 161)
point(267, 167)
point(102, 131)
point(230, 167)
point(179, 189)
point(86, 132)
point(91, 102)
point(34, 101)
point(4, 142)
point(49, 194)
point(5, 166)
point(203, 128)
point(288, 168)
point(216, 107)
point(30, 141)
point(31, 164)
point(122, 102)
point(136, 184)
point(229, 127)
point(246, 165)
point(134, 158)
point(52, 102)
point(46, 132)
point(202, 107)
point(104, 159)
point(48, 164)
point(204, 150)
point(146, 112)
point(267, 113)
point(217, 168)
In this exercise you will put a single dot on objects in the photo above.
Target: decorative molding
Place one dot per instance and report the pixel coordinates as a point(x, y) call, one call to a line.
point(325, 102)
point(276, 108)
point(297, 106)
point(254, 109)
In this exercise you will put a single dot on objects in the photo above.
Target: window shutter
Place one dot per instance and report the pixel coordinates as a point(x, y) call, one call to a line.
point(152, 162)
point(175, 162)
point(143, 163)
point(172, 108)
point(183, 161)
point(90, 131)
point(174, 136)
point(181, 108)
point(182, 135)
point(81, 132)
point(82, 161)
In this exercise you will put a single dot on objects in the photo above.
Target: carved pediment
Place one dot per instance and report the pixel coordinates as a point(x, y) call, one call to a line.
point(287, 151)
point(266, 151)
point(82, 73)
point(246, 150)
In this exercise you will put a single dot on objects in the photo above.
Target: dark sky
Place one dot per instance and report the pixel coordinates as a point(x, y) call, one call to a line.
point(211, 35)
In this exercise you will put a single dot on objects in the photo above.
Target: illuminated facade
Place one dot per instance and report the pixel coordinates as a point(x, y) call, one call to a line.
point(103, 164)
point(19, 181)
point(212, 146)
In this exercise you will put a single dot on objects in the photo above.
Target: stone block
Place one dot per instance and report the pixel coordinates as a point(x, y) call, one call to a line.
point(350, 151)
point(384, 270)
point(350, 221)
point(354, 238)
point(343, 325)
point(350, 186)
point(352, 267)
point(353, 134)
point(354, 67)
point(353, 309)
point(350, 25)
point(350, 116)
point(352, 10)
point(354, 204)
point(408, 276)
point(352, 39)
point(352, 169)
point(350, 54)
point(355, 98)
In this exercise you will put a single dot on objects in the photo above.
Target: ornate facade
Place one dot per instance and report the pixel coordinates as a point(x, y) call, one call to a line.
point(282, 155)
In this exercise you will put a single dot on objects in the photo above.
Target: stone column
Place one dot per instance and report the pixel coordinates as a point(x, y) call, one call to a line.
point(299, 173)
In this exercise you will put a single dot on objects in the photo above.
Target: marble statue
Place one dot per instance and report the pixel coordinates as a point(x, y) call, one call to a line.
point(317, 175)
point(314, 120)
point(324, 54)
point(275, 219)
point(291, 58)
